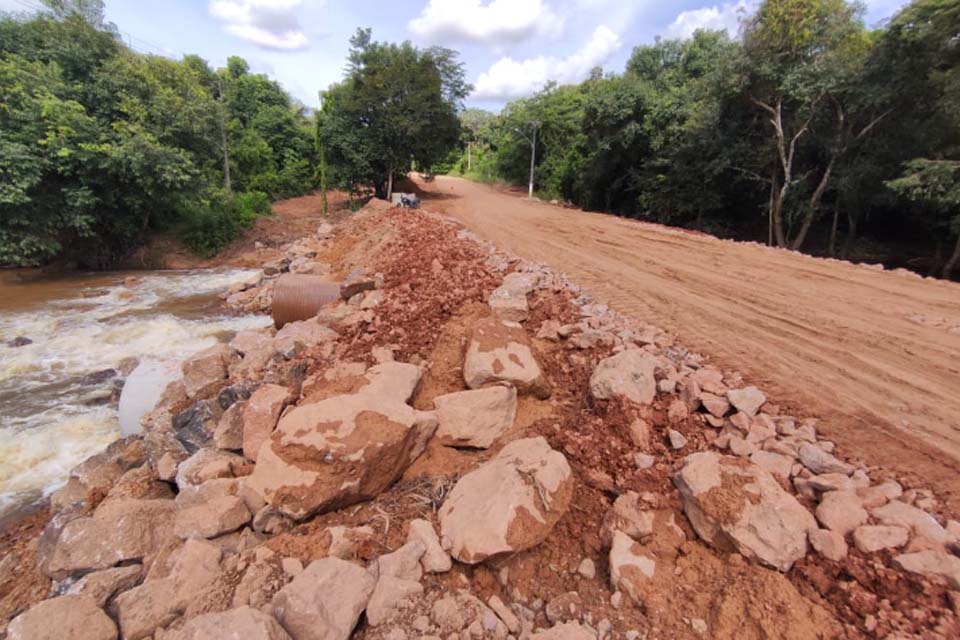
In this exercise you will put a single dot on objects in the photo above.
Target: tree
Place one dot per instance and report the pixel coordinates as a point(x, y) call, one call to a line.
point(101, 146)
point(935, 183)
point(396, 107)
point(922, 43)
point(90, 11)
point(798, 55)
point(475, 126)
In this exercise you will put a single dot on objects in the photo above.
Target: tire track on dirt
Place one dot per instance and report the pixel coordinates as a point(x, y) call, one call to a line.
point(868, 351)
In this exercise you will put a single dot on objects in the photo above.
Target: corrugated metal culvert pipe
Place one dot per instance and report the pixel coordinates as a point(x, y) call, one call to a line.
point(299, 297)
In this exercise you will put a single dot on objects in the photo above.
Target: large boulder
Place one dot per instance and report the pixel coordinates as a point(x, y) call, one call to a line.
point(918, 521)
point(475, 418)
point(345, 448)
point(509, 300)
point(499, 353)
point(208, 464)
point(243, 622)
point(103, 585)
point(628, 374)
point(841, 511)
point(258, 351)
point(508, 504)
point(210, 509)
point(207, 370)
point(820, 462)
point(260, 416)
point(302, 335)
point(73, 617)
point(120, 530)
point(229, 431)
point(735, 505)
point(932, 562)
point(157, 602)
point(325, 601)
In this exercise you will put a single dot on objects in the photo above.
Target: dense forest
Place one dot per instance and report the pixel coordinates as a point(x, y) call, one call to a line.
point(101, 146)
point(809, 131)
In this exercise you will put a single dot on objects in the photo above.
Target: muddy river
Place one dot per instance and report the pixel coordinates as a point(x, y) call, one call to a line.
point(57, 392)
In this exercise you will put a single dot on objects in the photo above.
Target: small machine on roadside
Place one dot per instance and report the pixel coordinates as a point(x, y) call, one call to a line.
point(406, 200)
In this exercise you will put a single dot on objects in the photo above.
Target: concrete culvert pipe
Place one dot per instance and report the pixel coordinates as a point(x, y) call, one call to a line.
point(299, 297)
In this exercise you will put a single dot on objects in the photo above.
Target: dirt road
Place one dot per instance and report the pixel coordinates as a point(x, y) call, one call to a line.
point(876, 355)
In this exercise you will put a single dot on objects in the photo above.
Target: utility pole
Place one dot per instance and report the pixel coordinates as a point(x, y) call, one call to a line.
point(223, 140)
point(533, 157)
point(323, 158)
point(533, 151)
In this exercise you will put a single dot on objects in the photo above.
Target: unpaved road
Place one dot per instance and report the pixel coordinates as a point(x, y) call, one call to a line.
point(875, 355)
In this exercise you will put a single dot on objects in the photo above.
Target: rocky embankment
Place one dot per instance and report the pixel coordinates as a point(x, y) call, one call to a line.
point(468, 446)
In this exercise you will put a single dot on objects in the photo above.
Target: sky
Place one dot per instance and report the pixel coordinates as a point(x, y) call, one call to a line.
point(511, 47)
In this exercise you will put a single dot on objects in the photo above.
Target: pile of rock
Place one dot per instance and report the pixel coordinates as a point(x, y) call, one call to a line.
point(186, 531)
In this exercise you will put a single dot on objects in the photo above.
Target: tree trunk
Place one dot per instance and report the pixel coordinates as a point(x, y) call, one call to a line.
point(832, 247)
point(777, 213)
point(786, 152)
point(773, 194)
point(814, 205)
point(469, 156)
point(223, 141)
point(390, 184)
point(953, 261)
point(851, 234)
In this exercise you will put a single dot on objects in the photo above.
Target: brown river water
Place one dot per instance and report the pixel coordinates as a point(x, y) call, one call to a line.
point(54, 408)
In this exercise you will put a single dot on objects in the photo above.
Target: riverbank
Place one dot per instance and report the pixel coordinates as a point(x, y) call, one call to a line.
point(470, 444)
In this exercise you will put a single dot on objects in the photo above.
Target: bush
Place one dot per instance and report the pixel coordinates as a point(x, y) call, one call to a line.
point(215, 224)
point(252, 204)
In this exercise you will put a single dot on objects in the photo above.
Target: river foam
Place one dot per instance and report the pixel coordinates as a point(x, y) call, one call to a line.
point(49, 418)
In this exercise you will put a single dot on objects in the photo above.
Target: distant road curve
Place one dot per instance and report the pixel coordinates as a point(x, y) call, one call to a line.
point(875, 355)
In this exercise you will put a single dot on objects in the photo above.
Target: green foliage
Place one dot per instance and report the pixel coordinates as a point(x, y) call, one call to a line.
point(809, 127)
point(396, 107)
point(100, 146)
point(214, 224)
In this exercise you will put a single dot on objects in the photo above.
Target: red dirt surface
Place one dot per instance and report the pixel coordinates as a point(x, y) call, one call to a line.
point(875, 355)
point(426, 315)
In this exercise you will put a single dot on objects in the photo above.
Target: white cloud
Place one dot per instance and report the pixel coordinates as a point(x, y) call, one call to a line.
point(494, 22)
point(715, 18)
point(509, 78)
point(271, 24)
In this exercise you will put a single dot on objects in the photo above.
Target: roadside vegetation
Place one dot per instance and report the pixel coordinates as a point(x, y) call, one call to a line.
point(396, 109)
point(810, 131)
point(101, 146)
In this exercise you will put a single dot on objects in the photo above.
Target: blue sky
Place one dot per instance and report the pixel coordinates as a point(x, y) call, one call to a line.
point(511, 47)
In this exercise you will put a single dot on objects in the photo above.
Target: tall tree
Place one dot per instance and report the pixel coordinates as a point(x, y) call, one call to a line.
point(924, 43)
point(797, 58)
point(397, 106)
